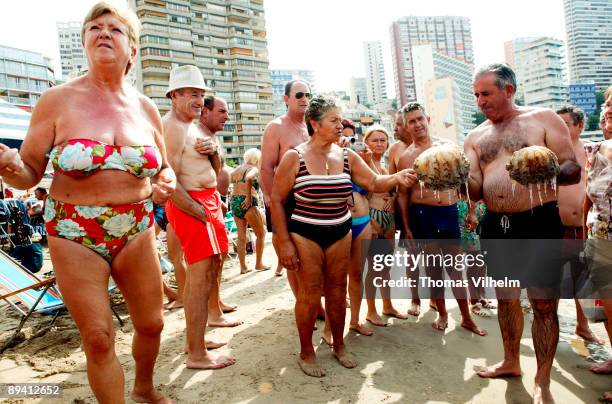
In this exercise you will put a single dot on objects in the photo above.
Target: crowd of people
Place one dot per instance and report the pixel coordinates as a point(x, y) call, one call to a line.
point(325, 203)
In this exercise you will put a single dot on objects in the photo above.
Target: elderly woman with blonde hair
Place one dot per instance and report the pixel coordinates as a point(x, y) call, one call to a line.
point(104, 140)
point(244, 204)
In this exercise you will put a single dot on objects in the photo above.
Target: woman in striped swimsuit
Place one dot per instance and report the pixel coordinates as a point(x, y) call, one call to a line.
point(311, 190)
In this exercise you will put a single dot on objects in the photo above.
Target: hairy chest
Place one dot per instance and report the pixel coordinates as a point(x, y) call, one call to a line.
point(506, 139)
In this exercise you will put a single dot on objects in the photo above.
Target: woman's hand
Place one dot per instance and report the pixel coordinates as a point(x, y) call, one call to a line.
point(165, 185)
point(366, 155)
point(406, 177)
point(288, 255)
point(246, 204)
point(10, 161)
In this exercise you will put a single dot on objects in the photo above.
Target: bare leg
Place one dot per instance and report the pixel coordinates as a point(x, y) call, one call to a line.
point(201, 278)
point(545, 332)
point(335, 270)
point(242, 229)
point(137, 273)
point(308, 298)
point(605, 367)
point(86, 296)
point(175, 253)
point(355, 285)
point(216, 308)
point(510, 317)
point(256, 221)
point(582, 326)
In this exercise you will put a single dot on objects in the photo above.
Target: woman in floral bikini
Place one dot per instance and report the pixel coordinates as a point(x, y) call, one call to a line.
point(104, 140)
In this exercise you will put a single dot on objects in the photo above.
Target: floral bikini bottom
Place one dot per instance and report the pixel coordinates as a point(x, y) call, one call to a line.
point(104, 229)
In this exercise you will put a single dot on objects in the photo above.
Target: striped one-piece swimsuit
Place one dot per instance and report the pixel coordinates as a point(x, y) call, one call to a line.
point(320, 204)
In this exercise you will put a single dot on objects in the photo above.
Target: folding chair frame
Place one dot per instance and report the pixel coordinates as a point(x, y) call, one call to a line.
point(47, 284)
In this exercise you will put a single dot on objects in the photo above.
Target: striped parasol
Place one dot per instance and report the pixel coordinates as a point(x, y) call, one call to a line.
point(14, 124)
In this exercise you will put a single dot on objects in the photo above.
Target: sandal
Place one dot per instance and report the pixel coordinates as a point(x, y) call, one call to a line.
point(479, 310)
point(487, 304)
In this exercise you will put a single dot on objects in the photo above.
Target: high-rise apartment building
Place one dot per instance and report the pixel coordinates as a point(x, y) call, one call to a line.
point(513, 59)
point(429, 65)
point(358, 91)
point(24, 75)
point(280, 77)
point(375, 74)
point(449, 36)
point(583, 95)
point(72, 55)
point(226, 40)
point(540, 71)
point(588, 26)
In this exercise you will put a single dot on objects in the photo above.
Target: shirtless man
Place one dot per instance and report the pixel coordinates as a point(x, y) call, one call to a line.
point(509, 215)
point(212, 120)
point(571, 201)
point(403, 140)
point(428, 217)
point(282, 134)
point(194, 211)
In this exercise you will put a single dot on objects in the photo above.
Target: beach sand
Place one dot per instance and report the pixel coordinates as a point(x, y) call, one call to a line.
point(405, 362)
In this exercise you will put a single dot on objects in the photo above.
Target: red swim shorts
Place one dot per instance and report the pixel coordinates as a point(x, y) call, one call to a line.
point(200, 240)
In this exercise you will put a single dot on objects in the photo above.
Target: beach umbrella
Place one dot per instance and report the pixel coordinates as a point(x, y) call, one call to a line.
point(14, 124)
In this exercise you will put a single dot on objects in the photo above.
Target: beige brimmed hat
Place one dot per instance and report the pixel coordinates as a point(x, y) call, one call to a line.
point(187, 76)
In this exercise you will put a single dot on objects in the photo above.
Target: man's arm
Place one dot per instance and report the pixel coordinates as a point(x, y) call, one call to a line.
point(174, 138)
point(558, 140)
point(404, 195)
point(475, 178)
point(270, 149)
point(392, 152)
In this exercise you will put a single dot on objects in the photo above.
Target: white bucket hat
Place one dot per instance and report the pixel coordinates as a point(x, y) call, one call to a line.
point(184, 77)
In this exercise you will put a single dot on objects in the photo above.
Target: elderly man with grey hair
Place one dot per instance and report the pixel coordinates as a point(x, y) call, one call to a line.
point(510, 214)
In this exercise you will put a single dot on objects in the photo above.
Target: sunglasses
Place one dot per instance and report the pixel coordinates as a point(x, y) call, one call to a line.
point(301, 94)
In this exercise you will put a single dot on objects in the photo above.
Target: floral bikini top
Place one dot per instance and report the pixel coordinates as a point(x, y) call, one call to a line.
point(79, 158)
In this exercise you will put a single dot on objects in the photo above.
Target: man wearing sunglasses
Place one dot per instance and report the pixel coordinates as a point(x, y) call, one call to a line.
point(282, 134)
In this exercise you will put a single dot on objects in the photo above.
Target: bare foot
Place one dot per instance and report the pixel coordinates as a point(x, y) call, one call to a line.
point(224, 322)
point(471, 325)
point(542, 395)
point(604, 368)
point(441, 323)
point(245, 271)
point(174, 304)
point(228, 308)
point(346, 359)
point(310, 366)
point(152, 396)
point(279, 271)
point(415, 309)
point(587, 335)
point(395, 313)
point(501, 369)
point(210, 345)
point(361, 329)
point(607, 397)
point(262, 267)
point(376, 320)
point(210, 362)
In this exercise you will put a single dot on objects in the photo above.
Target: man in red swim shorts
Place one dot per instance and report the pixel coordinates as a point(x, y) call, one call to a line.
point(195, 211)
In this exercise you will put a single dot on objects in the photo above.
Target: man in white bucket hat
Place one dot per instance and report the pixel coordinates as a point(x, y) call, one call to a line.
point(195, 213)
